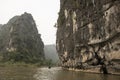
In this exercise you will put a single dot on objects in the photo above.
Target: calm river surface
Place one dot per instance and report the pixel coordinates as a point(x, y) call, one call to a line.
point(27, 73)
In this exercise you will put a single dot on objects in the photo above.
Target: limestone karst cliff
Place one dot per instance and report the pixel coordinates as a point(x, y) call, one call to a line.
point(88, 34)
point(20, 40)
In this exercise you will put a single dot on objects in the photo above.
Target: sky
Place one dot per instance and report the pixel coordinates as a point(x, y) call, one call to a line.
point(44, 12)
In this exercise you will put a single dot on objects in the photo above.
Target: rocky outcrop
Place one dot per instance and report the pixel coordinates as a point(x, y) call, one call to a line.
point(20, 40)
point(0, 26)
point(88, 34)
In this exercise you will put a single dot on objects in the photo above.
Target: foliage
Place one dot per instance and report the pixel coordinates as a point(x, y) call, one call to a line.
point(22, 56)
point(23, 59)
point(41, 63)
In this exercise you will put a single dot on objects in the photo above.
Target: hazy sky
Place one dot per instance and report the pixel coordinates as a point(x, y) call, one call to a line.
point(45, 14)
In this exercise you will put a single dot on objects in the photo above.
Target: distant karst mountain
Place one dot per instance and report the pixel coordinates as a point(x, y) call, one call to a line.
point(51, 53)
point(20, 40)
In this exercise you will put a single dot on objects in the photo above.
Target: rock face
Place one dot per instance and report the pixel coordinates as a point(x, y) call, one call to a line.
point(88, 34)
point(20, 41)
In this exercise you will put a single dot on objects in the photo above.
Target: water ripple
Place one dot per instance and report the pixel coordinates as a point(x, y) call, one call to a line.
point(46, 73)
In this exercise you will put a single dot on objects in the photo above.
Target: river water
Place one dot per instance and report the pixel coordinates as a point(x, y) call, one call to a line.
point(56, 73)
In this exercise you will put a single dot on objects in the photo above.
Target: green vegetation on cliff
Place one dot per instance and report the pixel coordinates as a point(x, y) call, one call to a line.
point(20, 40)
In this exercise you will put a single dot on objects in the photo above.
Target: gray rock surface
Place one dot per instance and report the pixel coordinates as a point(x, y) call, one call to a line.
point(88, 32)
point(20, 40)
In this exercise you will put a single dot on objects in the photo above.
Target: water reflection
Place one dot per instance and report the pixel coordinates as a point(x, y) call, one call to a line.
point(30, 73)
point(46, 73)
point(17, 73)
point(59, 74)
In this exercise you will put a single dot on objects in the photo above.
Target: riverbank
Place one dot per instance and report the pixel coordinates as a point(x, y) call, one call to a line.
point(93, 69)
point(45, 63)
point(17, 64)
point(22, 64)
